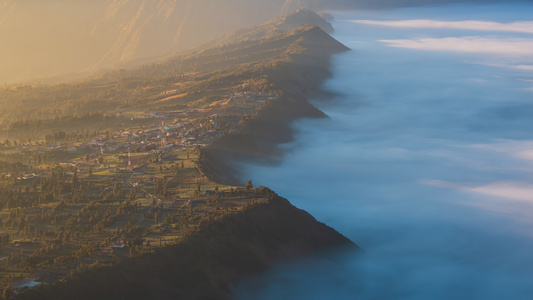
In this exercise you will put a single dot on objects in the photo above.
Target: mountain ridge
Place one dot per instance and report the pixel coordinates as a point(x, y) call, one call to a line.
point(225, 246)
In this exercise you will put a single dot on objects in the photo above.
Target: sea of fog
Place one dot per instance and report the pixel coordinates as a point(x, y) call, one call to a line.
point(426, 161)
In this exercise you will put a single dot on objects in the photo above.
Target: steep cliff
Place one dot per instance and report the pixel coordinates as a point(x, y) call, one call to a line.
point(208, 263)
point(299, 74)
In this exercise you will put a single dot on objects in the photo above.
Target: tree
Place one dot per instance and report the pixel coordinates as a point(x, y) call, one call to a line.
point(75, 180)
point(249, 185)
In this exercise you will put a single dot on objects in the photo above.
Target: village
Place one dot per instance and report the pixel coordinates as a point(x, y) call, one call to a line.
point(80, 201)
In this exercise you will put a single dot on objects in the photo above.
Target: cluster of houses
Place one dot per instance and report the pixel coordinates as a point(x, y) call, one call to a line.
point(158, 138)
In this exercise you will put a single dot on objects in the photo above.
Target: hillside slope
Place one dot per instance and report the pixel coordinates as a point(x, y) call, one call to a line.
point(299, 76)
point(212, 72)
point(283, 66)
point(208, 263)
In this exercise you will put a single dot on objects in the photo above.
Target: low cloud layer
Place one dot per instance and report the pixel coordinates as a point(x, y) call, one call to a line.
point(503, 190)
point(520, 27)
point(472, 44)
point(426, 162)
point(487, 43)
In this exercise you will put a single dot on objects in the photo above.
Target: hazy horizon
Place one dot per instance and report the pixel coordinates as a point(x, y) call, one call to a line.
point(55, 38)
point(58, 38)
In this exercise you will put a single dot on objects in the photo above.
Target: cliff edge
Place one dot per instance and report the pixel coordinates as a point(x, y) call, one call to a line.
point(208, 263)
point(298, 73)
